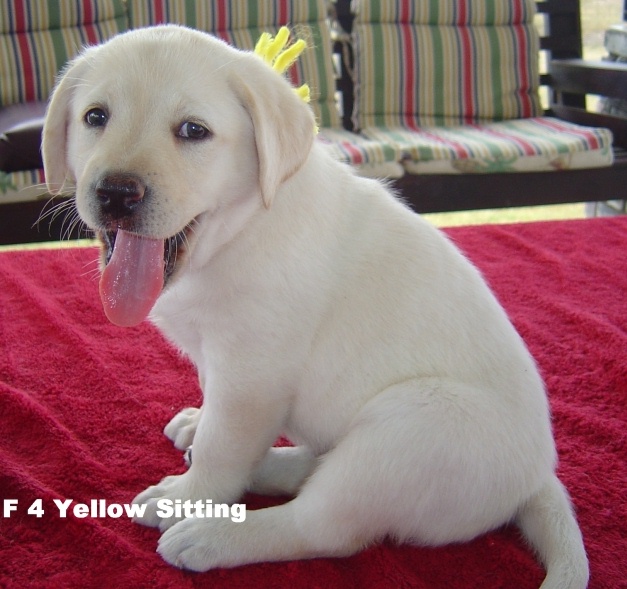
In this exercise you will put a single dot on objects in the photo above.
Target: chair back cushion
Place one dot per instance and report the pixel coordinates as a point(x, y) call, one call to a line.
point(38, 38)
point(444, 62)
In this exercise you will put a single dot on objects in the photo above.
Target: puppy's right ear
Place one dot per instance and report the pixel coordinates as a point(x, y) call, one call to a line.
point(55, 131)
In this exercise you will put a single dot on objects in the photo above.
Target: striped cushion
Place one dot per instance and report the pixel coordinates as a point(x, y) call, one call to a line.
point(417, 65)
point(241, 22)
point(35, 43)
point(224, 15)
point(358, 150)
point(540, 143)
point(447, 12)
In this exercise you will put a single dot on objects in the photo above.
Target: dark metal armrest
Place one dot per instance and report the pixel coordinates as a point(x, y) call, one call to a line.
point(581, 77)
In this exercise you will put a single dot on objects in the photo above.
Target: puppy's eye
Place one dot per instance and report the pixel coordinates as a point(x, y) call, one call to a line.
point(189, 130)
point(96, 117)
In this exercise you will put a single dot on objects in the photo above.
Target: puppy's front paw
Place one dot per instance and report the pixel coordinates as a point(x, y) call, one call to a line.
point(182, 427)
point(166, 502)
point(198, 544)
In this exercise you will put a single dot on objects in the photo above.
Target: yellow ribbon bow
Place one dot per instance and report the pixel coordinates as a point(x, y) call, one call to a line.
point(274, 52)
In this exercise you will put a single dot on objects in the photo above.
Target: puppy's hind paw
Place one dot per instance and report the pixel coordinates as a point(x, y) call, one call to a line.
point(182, 427)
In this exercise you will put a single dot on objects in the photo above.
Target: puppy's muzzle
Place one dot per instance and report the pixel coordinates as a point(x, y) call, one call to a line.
point(119, 195)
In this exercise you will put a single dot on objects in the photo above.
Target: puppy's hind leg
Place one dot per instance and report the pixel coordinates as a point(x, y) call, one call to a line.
point(414, 465)
point(332, 515)
point(329, 518)
point(283, 471)
point(291, 531)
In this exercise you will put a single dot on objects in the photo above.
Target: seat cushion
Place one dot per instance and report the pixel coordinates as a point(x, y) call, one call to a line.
point(535, 144)
point(356, 149)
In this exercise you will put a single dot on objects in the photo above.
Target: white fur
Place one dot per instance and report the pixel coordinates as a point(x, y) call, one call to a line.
point(316, 305)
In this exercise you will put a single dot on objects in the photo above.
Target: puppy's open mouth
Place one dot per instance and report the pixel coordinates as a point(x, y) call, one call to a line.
point(136, 269)
point(173, 248)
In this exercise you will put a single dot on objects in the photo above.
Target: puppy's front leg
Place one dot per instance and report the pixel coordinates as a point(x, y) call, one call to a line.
point(234, 432)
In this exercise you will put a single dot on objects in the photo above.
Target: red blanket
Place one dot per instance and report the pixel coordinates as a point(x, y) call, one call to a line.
point(83, 403)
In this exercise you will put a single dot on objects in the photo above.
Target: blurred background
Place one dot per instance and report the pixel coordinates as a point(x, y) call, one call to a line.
point(596, 17)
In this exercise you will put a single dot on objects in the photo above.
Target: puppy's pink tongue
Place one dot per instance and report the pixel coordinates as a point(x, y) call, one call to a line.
point(133, 279)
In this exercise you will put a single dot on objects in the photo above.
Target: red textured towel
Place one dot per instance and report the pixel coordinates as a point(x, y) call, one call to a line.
point(83, 403)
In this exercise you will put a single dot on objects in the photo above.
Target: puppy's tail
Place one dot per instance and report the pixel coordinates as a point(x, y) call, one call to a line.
point(548, 523)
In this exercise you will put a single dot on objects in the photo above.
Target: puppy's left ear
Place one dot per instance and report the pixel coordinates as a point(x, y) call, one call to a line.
point(284, 124)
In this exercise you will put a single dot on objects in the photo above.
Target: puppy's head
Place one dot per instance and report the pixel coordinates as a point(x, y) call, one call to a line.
point(163, 129)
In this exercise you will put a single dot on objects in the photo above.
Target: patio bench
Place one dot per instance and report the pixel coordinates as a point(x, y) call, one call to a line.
point(453, 90)
point(442, 98)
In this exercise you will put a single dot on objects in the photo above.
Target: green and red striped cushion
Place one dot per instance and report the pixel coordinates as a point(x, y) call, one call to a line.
point(241, 23)
point(359, 150)
point(455, 13)
point(37, 39)
point(445, 62)
point(224, 15)
point(536, 143)
point(36, 43)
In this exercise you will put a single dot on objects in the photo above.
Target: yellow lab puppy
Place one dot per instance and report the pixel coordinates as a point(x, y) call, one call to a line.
point(313, 304)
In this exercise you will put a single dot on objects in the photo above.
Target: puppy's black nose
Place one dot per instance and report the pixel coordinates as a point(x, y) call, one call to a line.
point(119, 195)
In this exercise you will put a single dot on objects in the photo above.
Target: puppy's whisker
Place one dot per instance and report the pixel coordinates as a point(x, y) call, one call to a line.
point(71, 223)
point(51, 211)
point(92, 265)
point(54, 209)
point(92, 274)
